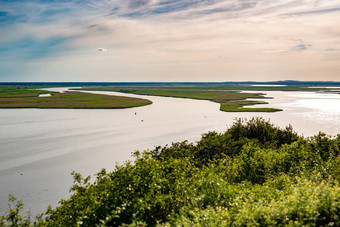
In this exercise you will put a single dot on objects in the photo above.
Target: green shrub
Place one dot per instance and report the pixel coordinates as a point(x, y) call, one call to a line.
point(254, 174)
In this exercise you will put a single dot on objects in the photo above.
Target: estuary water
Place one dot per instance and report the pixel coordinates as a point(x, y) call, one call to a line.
point(39, 148)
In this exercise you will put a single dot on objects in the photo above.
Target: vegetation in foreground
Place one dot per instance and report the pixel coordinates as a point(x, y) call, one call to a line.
point(22, 97)
point(230, 101)
point(254, 174)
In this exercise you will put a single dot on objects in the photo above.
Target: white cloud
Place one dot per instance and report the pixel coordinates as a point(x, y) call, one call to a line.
point(102, 50)
point(218, 40)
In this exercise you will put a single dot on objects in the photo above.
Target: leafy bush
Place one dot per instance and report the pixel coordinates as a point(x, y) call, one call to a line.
point(13, 216)
point(253, 174)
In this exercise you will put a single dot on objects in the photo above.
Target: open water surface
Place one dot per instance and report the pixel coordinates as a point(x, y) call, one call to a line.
point(39, 148)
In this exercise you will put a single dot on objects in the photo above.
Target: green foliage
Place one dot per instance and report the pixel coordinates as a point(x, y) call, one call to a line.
point(263, 131)
point(13, 216)
point(254, 174)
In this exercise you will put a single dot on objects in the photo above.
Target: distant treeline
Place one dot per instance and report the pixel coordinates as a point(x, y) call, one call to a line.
point(80, 84)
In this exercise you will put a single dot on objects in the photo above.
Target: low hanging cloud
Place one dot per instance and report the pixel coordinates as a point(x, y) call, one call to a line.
point(301, 47)
point(102, 50)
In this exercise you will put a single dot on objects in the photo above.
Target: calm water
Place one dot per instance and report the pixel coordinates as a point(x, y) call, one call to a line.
point(39, 148)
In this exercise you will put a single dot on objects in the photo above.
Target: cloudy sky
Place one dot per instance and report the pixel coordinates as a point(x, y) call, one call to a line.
point(169, 40)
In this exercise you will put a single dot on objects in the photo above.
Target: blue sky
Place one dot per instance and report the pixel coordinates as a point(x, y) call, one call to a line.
point(169, 40)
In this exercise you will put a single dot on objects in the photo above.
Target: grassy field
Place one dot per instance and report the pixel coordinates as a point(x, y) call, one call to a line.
point(21, 97)
point(230, 101)
point(7, 91)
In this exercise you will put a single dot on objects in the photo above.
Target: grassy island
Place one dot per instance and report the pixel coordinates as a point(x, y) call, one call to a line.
point(230, 101)
point(254, 174)
point(26, 98)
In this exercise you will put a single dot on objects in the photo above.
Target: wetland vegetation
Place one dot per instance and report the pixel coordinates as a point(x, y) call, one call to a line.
point(26, 97)
point(228, 95)
point(230, 101)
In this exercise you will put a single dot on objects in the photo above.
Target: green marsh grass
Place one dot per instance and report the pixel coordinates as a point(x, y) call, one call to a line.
point(230, 101)
point(11, 97)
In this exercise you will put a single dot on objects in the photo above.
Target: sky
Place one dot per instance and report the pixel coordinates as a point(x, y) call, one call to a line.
point(169, 40)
